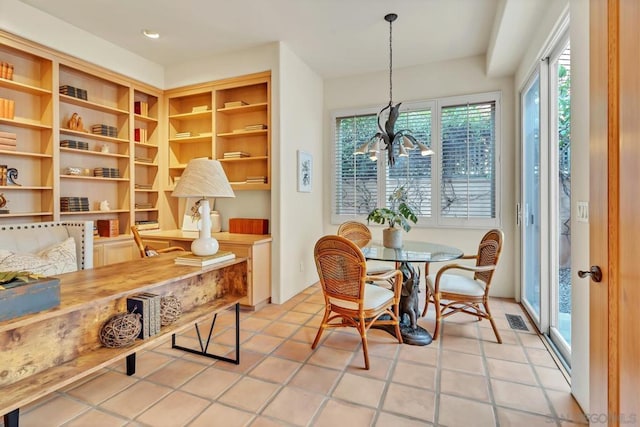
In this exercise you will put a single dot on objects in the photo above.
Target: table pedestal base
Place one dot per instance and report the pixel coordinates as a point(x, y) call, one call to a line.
point(411, 336)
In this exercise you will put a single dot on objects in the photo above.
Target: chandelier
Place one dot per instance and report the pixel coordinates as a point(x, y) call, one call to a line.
point(387, 138)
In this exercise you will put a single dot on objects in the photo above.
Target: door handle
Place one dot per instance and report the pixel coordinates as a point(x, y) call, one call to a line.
point(594, 272)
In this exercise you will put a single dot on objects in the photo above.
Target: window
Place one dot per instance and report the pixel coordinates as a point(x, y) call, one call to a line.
point(456, 186)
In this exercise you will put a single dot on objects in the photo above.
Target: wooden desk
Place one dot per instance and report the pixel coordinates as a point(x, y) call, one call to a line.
point(255, 247)
point(43, 352)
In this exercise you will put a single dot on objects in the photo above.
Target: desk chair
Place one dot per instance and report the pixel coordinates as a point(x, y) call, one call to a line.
point(146, 251)
point(349, 300)
point(464, 294)
point(360, 234)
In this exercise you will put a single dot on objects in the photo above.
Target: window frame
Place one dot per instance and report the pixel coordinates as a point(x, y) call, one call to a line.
point(436, 220)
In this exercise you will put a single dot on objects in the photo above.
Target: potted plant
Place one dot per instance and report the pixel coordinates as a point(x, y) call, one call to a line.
point(399, 213)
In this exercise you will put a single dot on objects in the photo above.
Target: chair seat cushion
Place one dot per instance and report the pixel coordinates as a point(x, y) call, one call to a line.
point(456, 284)
point(377, 267)
point(374, 296)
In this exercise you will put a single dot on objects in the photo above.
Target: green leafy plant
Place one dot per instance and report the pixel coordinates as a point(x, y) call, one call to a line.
point(398, 213)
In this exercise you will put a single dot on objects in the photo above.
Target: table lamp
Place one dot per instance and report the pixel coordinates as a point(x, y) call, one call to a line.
point(204, 178)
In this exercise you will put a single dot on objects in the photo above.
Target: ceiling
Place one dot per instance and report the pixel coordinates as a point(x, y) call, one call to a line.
point(334, 37)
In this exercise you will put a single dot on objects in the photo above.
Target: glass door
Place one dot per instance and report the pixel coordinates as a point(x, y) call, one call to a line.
point(530, 206)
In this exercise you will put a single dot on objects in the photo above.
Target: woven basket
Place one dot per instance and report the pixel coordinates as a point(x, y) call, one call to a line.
point(120, 330)
point(170, 310)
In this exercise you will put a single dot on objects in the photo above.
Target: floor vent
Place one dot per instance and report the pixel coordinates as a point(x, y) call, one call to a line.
point(516, 322)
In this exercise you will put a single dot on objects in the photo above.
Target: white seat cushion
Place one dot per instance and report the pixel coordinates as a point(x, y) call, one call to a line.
point(456, 284)
point(374, 296)
point(376, 267)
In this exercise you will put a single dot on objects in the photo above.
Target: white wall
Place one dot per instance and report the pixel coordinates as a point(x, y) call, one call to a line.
point(33, 24)
point(464, 76)
point(300, 219)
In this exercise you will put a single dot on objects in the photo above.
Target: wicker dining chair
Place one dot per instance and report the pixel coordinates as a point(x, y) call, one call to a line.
point(349, 300)
point(360, 234)
point(452, 293)
point(146, 251)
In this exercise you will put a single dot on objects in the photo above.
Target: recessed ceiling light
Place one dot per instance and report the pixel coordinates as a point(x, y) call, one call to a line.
point(151, 34)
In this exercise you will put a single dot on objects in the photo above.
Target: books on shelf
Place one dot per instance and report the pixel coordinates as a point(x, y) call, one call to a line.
point(143, 159)
point(140, 135)
point(144, 186)
point(3, 175)
point(78, 145)
point(143, 205)
point(200, 108)
point(150, 224)
point(232, 104)
point(104, 130)
point(255, 127)
point(202, 261)
point(148, 306)
point(7, 141)
point(141, 108)
point(185, 134)
point(7, 108)
point(106, 172)
point(74, 204)
point(235, 154)
point(73, 91)
point(256, 180)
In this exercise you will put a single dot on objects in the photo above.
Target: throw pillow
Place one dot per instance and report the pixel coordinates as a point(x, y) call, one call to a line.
point(57, 259)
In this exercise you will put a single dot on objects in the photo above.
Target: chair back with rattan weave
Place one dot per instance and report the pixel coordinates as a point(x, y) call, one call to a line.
point(355, 231)
point(488, 254)
point(138, 240)
point(341, 267)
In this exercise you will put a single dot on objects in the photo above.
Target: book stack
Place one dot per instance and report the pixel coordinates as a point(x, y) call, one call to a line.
point(6, 71)
point(140, 135)
point(184, 134)
point(104, 130)
point(141, 107)
point(74, 92)
point(203, 261)
point(232, 104)
point(150, 224)
point(106, 172)
point(148, 306)
point(255, 127)
point(200, 108)
point(143, 159)
point(143, 186)
point(78, 145)
point(74, 204)
point(7, 141)
point(7, 108)
point(143, 205)
point(256, 180)
point(235, 154)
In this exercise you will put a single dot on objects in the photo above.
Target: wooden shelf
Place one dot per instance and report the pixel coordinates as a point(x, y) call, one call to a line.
point(192, 139)
point(146, 119)
point(146, 210)
point(92, 105)
point(24, 187)
point(243, 133)
point(145, 145)
point(24, 123)
point(93, 136)
point(34, 90)
point(92, 153)
point(245, 186)
point(244, 159)
point(95, 212)
point(92, 178)
point(25, 154)
point(25, 214)
point(260, 106)
point(191, 116)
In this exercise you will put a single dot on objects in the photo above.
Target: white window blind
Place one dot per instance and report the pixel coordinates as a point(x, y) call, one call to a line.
point(468, 161)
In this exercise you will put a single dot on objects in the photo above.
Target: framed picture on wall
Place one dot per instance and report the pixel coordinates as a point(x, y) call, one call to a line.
point(305, 171)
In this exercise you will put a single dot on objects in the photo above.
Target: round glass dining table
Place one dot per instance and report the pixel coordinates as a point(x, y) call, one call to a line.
point(411, 252)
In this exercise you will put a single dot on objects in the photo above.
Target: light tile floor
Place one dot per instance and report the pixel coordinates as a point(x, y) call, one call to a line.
point(463, 379)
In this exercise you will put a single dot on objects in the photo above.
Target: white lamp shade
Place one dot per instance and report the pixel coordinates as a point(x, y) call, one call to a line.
point(203, 178)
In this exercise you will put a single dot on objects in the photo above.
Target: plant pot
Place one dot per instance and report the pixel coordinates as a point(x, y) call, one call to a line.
point(392, 238)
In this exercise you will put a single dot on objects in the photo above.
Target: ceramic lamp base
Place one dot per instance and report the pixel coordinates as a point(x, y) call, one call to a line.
point(204, 247)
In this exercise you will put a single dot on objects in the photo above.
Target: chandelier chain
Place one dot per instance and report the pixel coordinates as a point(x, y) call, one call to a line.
point(390, 63)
